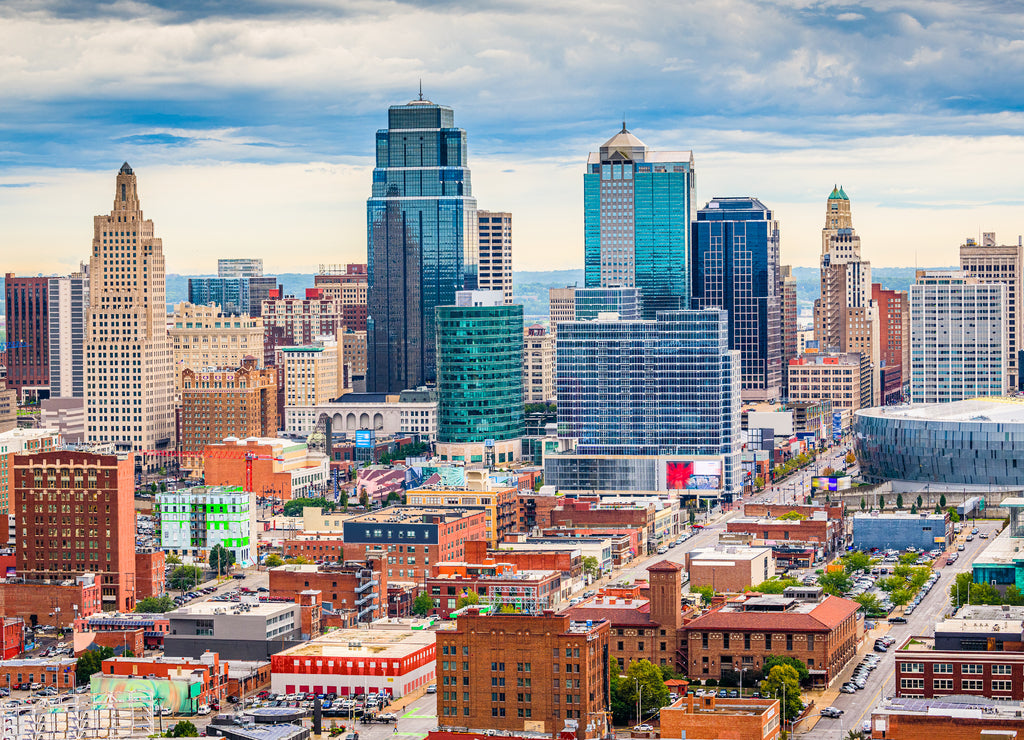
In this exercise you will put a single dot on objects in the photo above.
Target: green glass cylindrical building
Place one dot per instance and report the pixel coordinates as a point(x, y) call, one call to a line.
point(479, 370)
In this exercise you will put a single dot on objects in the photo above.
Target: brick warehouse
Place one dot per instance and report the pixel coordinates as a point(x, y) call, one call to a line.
point(358, 586)
point(643, 629)
point(75, 513)
point(822, 632)
point(510, 672)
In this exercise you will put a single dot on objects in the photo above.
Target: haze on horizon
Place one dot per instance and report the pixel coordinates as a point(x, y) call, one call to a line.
point(251, 128)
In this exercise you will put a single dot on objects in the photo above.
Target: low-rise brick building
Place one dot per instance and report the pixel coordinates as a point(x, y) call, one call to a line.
point(819, 532)
point(318, 547)
point(592, 513)
point(738, 636)
point(149, 573)
point(960, 717)
point(496, 583)
point(59, 672)
point(730, 570)
point(512, 672)
point(773, 511)
point(359, 586)
point(44, 602)
point(710, 716)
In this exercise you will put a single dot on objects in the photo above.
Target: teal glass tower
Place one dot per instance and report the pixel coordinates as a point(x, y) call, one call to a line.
point(637, 212)
point(480, 369)
point(421, 241)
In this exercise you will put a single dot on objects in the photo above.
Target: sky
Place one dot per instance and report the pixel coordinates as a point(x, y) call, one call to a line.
point(251, 124)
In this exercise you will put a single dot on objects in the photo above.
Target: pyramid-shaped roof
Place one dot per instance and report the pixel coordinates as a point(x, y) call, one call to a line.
point(837, 193)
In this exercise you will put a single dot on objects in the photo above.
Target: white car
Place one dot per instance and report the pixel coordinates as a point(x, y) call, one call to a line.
point(203, 709)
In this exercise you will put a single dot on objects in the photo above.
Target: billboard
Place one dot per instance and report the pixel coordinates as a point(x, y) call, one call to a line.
point(831, 483)
point(693, 475)
point(179, 695)
point(837, 424)
point(365, 438)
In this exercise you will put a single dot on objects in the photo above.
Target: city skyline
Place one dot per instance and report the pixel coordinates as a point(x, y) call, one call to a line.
point(243, 131)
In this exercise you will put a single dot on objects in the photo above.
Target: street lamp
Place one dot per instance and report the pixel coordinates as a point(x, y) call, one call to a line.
point(639, 698)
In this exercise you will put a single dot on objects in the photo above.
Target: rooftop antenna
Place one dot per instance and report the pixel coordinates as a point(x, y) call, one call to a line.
point(421, 88)
point(624, 122)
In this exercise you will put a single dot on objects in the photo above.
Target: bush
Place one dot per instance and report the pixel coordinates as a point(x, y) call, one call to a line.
point(711, 682)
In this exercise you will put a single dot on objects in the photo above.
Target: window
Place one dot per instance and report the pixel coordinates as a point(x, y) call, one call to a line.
point(912, 667)
point(972, 668)
point(725, 640)
point(942, 684)
point(1001, 670)
point(746, 642)
point(789, 642)
point(942, 668)
point(767, 642)
point(911, 683)
point(972, 685)
point(1001, 685)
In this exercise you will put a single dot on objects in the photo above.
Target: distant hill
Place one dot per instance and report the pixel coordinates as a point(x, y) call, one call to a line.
point(531, 286)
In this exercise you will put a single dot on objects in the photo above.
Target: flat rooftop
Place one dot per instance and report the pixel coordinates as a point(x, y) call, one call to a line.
point(365, 643)
point(410, 514)
point(727, 555)
point(209, 608)
point(951, 706)
point(1001, 550)
point(988, 410)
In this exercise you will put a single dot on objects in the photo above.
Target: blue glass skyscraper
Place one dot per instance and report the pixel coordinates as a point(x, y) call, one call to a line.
point(421, 241)
point(637, 213)
point(736, 267)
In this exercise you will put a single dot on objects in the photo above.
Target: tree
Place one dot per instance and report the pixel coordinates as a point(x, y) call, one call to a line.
point(759, 482)
point(90, 662)
point(863, 504)
point(783, 681)
point(591, 567)
point(774, 585)
point(868, 603)
point(297, 560)
point(655, 693)
point(422, 604)
point(908, 558)
point(221, 559)
point(693, 517)
point(900, 596)
point(185, 577)
point(857, 560)
point(835, 583)
point(619, 703)
point(793, 516)
point(920, 501)
point(706, 593)
point(273, 560)
point(953, 516)
point(828, 471)
point(154, 605)
point(172, 559)
point(183, 728)
point(942, 501)
point(1013, 596)
point(960, 589)
point(899, 500)
point(913, 508)
point(364, 499)
point(803, 675)
point(469, 598)
point(296, 505)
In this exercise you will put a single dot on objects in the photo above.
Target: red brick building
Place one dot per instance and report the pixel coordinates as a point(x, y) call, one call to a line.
point(149, 573)
point(496, 583)
point(209, 666)
point(28, 332)
point(773, 511)
point(12, 637)
point(924, 672)
point(898, 718)
point(534, 509)
point(412, 538)
point(893, 340)
point(567, 563)
point(643, 628)
point(75, 513)
point(317, 548)
point(712, 717)
point(826, 534)
point(590, 513)
point(528, 673)
point(627, 543)
point(739, 635)
point(358, 586)
point(39, 602)
point(59, 672)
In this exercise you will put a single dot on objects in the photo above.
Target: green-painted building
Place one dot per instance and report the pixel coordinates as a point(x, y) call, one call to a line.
point(191, 521)
point(480, 369)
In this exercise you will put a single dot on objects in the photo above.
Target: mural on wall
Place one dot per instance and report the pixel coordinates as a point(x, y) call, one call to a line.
point(178, 695)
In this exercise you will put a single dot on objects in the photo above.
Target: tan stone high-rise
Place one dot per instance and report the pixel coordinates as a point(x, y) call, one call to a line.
point(992, 263)
point(788, 324)
point(129, 376)
point(845, 315)
point(494, 239)
point(538, 365)
point(202, 337)
point(561, 306)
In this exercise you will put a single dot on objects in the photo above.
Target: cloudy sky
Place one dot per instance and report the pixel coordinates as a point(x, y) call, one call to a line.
point(250, 124)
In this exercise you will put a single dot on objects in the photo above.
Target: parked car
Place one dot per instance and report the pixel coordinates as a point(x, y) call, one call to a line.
point(897, 620)
point(432, 688)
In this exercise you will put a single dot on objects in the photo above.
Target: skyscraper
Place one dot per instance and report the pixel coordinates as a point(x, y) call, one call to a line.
point(495, 239)
point(789, 326)
point(736, 267)
point(846, 316)
point(421, 241)
point(958, 342)
point(129, 374)
point(894, 342)
point(28, 327)
point(240, 268)
point(637, 213)
point(992, 263)
point(231, 295)
point(69, 307)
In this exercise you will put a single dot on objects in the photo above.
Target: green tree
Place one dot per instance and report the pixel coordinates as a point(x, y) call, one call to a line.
point(835, 583)
point(655, 693)
point(154, 605)
point(620, 705)
point(90, 662)
point(920, 501)
point(881, 502)
point(960, 589)
point(774, 585)
point(591, 567)
point(759, 482)
point(185, 577)
point(471, 597)
point(900, 596)
point(863, 504)
point(706, 593)
point(183, 728)
point(422, 604)
point(273, 560)
point(857, 561)
point(693, 517)
point(172, 559)
point(221, 559)
point(793, 516)
point(364, 499)
point(908, 558)
point(953, 516)
point(297, 560)
point(803, 675)
point(784, 681)
point(942, 500)
point(869, 603)
point(1013, 596)
point(296, 505)
point(899, 500)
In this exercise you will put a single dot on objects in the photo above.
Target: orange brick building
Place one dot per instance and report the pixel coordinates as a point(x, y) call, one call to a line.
point(738, 636)
point(38, 602)
point(361, 587)
point(565, 562)
point(318, 548)
point(226, 402)
point(75, 513)
point(59, 672)
point(897, 718)
point(281, 468)
point(713, 717)
point(528, 673)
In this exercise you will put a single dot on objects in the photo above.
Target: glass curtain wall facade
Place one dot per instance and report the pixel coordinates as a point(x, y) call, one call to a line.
point(626, 302)
point(479, 373)
point(637, 214)
point(736, 267)
point(669, 386)
point(231, 294)
point(421, 241)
